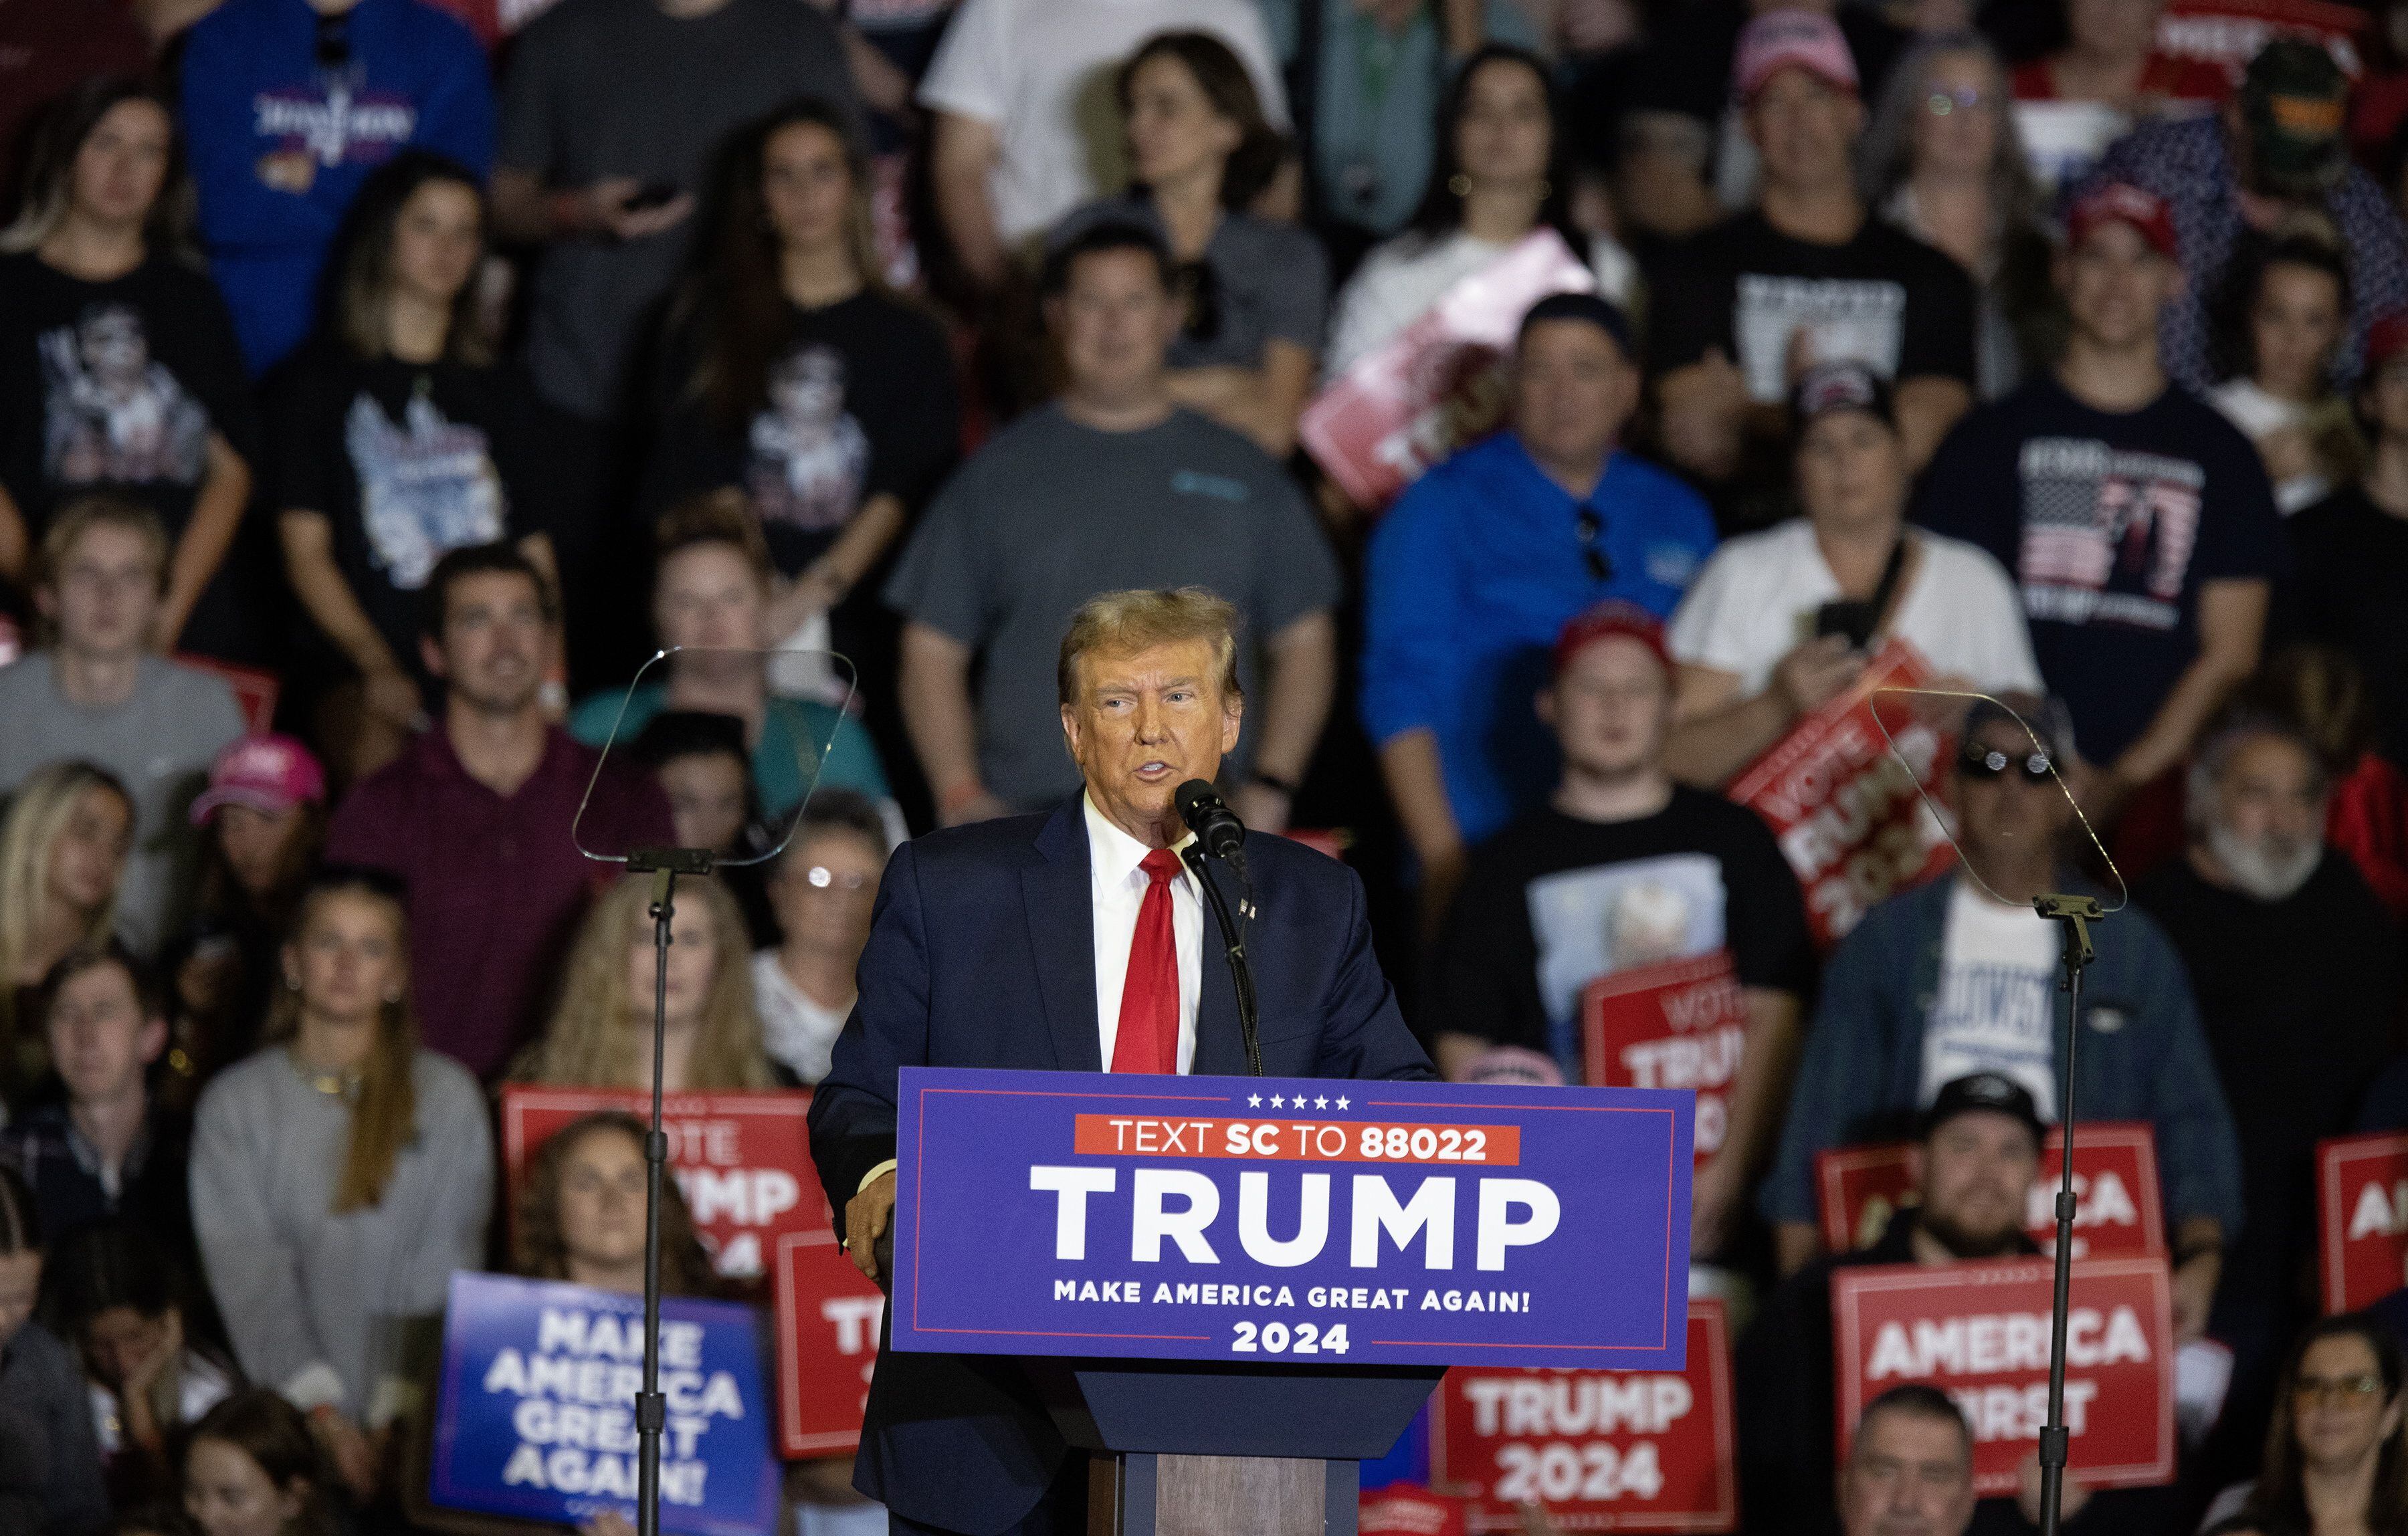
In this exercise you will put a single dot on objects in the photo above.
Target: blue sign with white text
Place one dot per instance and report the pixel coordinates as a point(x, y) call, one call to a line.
point(1263, 1218)
point(536, 1415)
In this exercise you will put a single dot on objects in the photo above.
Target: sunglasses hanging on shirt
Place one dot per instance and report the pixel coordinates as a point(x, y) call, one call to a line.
point(1589, 529)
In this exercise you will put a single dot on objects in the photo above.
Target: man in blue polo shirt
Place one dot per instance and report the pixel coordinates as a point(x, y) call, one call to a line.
point(1483, 560)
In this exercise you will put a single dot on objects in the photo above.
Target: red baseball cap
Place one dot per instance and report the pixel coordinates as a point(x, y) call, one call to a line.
point(2386, 339)
point(1613, 616)
point(1778, 39)
point(270, 773)
point(2122, 203)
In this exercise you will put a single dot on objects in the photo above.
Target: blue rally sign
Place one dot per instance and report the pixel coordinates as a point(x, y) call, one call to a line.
point(536, 1417)
point(1261, 1218)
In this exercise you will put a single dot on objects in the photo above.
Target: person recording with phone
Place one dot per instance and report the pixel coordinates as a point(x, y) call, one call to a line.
point(1781, 622)
point(1076, 940)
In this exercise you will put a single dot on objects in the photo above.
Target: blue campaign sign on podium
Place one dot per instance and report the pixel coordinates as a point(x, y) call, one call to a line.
point(1291, 1221)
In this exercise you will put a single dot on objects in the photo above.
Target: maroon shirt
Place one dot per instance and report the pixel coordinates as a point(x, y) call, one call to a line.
point(496, 885)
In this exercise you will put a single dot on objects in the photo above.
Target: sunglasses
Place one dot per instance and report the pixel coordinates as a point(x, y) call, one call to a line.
point(2335, 1388)
point(820, 878)
point(1989, 762)
point(1964, 98)
point(1589, 528)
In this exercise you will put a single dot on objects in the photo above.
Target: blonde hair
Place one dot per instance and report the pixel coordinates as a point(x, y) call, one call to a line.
point(1141, 617)
point(599, 1031)
point(384, 1115)
point(36, 818)
point(100, 509)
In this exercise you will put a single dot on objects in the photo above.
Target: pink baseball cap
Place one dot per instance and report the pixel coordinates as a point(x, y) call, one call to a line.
point(2122, 203)
point(1779, 38)
point(270, 773)
point(1604, 621)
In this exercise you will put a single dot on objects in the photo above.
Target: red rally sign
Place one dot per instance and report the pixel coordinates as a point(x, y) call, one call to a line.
point(2230, 32)
point(2117, 1212)
point(828, 1318)
point(1680, 1024)
point(1979, 1332)
point(1846, 808)
point(1602, 1450)
point(2362, 1218)
point(1406, 1509)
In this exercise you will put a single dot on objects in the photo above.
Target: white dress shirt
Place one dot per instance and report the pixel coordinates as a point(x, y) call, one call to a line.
point(1118, 887)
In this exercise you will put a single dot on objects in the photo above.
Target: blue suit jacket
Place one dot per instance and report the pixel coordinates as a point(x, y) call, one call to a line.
point(981, 954)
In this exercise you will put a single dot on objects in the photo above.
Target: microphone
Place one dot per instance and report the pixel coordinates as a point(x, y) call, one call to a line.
point(1215, 825)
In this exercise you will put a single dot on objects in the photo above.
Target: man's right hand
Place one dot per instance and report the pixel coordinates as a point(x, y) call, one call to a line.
point(867, 1216)
point(1813, 673)
point(390, 694)
point(606, 210)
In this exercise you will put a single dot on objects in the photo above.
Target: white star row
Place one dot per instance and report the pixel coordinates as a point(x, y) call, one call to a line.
point(1254, 1100)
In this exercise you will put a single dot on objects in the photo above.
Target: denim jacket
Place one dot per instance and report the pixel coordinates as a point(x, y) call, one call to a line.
point(2141, 1055)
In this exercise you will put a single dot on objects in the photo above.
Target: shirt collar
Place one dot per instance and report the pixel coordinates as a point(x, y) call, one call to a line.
point(1114, 854)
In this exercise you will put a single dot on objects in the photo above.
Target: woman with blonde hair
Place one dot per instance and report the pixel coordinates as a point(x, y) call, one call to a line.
point(62, 847)
point(341, 1174)
point(601, 1035)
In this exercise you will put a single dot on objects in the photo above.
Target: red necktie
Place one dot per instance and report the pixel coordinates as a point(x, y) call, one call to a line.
point(1148, 1040)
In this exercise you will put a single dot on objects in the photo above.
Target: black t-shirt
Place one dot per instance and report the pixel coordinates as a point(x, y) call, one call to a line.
point(2348, 586)
point(115, 385)
point(861, 404)
point(1547, 905)
point(1884, 298)
point(2297, 997)
point(2110, 522)
point(408, 462)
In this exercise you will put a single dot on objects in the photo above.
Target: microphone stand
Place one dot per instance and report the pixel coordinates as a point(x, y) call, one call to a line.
point(2075, 914)
point(651, 1407)
point(1233, 939)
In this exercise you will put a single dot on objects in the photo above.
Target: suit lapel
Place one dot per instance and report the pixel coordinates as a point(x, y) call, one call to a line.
point(1219, 1044)
point(1059, 902)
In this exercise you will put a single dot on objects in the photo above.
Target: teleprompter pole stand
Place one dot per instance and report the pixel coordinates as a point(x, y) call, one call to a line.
point(2075, 915)
point(1233, 939)
point(653, 1409)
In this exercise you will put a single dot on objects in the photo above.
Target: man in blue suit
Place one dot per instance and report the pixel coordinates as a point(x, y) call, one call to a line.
point(1064, 942)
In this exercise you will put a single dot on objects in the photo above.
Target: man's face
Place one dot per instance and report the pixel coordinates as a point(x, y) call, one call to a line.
point(98, 1036)
point(1974, 1172)
point(1147, 722)
point(1115, 319)
point(2009, 817)
point(104, 594)
point(2114, 285)
point(1805, 128)
point(1572, 392)
point(1851, 469)
point(1611, 707)
point(492, 643)
point(2266, 824)
point(1908, 1474)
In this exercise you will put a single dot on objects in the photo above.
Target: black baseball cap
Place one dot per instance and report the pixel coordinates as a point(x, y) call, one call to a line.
point(1988, 1092)
point(1603, 313)
point(1842, 384)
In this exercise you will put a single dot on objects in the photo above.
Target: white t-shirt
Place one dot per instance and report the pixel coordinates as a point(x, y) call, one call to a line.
point(1040, 72)
point(1756, 601)
point(1402, 277)
point(794, 1029)
point(1996, 1006)
point(2257, 414)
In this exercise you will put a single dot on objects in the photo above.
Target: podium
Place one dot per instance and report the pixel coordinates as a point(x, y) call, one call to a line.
point(1196, 1448)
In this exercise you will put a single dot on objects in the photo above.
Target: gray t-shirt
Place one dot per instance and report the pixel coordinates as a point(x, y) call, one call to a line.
point(602, 88)
point(1051, 513)
point(1269, 282)
point(159, 742)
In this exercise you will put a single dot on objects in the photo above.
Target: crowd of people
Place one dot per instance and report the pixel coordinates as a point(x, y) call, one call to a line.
point(443, 441)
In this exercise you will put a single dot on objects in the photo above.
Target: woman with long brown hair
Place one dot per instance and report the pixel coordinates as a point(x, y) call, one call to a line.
point(253, 1470)
point(62, 847)
point(341, 1174)
point(2337, 1451)
point(580, 1214)
point(792, 372)
point(601, 1035)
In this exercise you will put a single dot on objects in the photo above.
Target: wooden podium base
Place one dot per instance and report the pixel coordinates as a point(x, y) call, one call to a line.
point(1141, 1494)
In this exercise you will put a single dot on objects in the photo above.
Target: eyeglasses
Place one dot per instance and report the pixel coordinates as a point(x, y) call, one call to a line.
point(1989, 762)
point(820, 878)
point(1589, 528)
point(1964, 98)
point(2348, 1390)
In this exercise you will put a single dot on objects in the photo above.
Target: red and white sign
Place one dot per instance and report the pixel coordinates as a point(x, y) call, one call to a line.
point(2116, 1208)
point(742, 1159)
point(2362, 1218)
point(2230, 32)
point(1437, 384)
point(1979, 1332)
point(254, 692)
point(1408, 1509)
point(1849, 813)
point(1602, 1450)
point(828, 1318)
point(1680, 1024)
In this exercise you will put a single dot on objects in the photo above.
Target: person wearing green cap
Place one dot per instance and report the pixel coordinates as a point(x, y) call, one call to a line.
point(2276, 155)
